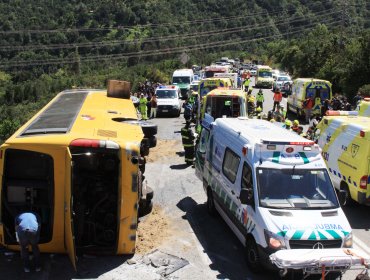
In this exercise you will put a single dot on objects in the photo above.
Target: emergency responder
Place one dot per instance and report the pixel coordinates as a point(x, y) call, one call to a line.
point(251, 105)
point(260, 99)
point(295, 125)
point(193, 100)
point(188, 142)
point(311, 131)
point(142, 107)
point(300, 131)
point(288, 124)
point(307, 106)
point(279, 114)
point(278, 96)
point(27, 229)
point(246, 84)
point(188, 110)
point(259, 112)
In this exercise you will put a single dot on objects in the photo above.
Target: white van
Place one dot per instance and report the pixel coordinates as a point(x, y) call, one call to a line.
point(271, 187)
point(168, 100)
point(183, 78)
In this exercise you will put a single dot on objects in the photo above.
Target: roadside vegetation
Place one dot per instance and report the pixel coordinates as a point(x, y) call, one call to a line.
point(49, 46)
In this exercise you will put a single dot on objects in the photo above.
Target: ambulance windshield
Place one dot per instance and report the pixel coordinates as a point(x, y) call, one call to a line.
point(295, 189)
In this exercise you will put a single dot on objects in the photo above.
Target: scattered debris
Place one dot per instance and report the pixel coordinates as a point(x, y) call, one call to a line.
point(166, 264)
point(131, 262)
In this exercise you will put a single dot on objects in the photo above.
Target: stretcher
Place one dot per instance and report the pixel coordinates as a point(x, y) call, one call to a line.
point(319, 261)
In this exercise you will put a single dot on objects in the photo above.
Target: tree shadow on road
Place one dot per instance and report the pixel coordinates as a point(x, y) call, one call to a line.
point(218, 241)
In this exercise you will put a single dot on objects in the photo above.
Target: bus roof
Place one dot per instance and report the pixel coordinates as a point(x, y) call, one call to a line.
point(74, 114)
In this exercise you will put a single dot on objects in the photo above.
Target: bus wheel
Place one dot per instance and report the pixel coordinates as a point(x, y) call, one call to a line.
point(149, 129)
point(345, 199)
point(252, 255)
point(211, 203)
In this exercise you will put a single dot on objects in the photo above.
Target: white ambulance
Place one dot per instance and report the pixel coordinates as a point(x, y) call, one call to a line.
point(272, 188)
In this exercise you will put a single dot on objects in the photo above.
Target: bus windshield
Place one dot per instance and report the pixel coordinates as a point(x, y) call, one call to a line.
point(295, 189)
point(265, 74)
point(161, 94)
point(181, 80)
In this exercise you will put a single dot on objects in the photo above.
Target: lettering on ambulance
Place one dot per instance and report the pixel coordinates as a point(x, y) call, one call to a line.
point(313, 232)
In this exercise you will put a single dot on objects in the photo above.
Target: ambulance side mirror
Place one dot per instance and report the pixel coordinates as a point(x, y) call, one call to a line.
point(246, 196)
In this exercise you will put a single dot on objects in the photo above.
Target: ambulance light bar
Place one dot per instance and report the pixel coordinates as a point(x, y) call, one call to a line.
point(341, 113)
point(270, 143)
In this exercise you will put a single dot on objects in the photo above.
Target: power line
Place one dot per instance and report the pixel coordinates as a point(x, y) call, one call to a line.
point(207, 45)
point(156, 38)
point(70, 30)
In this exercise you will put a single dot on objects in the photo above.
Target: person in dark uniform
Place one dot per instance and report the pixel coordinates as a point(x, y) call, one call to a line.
point(27, 229)
point(188, 142)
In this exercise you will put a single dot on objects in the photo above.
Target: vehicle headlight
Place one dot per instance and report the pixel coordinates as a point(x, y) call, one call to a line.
point(274, 241)
point(176, 106)
point(348, 241)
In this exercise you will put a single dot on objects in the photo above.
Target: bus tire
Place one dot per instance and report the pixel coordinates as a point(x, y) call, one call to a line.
point(149, 129)
point(347, 199)
point(252, 256)
point(211, 203)
point(152, 142)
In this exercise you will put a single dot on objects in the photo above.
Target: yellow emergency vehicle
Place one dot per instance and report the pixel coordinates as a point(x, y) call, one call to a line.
point(208, 84)
point(223, 102)
point(303, 88)
point(364, 107)
point(78, 163)
point(344, 138)
point(264, 76)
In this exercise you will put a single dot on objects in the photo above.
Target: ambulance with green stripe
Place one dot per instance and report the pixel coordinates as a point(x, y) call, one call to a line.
point(271, 187)
point(345, 142)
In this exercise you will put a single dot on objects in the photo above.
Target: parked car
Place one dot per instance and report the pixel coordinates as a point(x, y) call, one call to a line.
point(280, 81)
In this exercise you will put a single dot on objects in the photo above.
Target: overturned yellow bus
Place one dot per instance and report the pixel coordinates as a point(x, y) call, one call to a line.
point(78, 163)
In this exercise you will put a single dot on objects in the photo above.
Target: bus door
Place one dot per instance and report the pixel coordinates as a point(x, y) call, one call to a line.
point(69, 237)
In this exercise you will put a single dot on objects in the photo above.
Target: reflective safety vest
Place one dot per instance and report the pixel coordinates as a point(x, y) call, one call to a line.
point(187, 137)
point(259, 97)
point(142, 102)
point(246, 83)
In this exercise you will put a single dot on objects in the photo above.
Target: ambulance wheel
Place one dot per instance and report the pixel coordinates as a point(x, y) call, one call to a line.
point(252, 255)
point(211, 203)
point(345, 200)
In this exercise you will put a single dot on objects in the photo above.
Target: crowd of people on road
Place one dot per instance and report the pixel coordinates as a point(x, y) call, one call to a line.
point(146, 100)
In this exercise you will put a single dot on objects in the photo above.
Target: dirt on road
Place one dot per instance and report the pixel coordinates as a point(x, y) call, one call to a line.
point(152, 231)
point(164, 150)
